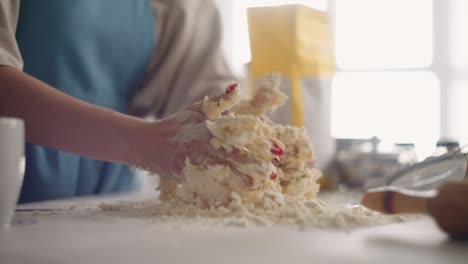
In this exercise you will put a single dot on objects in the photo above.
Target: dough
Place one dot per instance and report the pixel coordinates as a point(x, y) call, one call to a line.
point(285, 168)
point(213, 108)
point(282, 191)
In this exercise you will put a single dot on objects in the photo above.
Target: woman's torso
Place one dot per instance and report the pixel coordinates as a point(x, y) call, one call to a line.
point(96, 51)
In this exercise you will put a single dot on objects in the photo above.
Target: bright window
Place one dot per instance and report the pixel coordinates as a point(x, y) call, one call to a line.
point(383, 34)
point(459, 36)
point(395, 106)
point(460, 109)
point(458, 49)
point(385, 85)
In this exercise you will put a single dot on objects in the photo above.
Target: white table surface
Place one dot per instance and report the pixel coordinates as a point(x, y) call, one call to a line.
point(75, 236)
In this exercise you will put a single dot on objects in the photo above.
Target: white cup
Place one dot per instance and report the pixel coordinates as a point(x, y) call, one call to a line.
point(12, 165)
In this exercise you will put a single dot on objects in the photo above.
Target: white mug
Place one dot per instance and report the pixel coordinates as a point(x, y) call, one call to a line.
point(12, 165)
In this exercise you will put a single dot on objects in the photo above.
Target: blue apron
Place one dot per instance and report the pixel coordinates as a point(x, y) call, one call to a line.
point(94, 50)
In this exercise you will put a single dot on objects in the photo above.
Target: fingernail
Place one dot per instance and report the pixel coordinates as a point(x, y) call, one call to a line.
point(231, 88)
point(273, 176)
point(277, 150)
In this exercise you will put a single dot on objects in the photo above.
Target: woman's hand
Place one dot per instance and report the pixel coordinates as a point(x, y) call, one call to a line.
point(266, 98)
point(162, 147)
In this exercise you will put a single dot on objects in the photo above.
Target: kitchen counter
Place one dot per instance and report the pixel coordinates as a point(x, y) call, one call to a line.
point(78, 233)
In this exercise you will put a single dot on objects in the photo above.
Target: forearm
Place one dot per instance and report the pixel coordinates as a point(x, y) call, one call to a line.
point(56, 120)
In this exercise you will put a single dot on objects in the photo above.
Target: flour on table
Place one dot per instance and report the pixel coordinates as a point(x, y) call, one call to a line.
point(282, 186)
point(294, 212)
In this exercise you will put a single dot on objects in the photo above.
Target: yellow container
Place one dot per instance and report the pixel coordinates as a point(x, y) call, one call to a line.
point(294, 40)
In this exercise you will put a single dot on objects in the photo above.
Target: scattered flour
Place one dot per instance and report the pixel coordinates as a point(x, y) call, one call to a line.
point(300, 213)
point(279, 188)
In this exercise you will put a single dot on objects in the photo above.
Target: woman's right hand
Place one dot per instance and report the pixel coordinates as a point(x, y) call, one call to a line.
point(162, 147)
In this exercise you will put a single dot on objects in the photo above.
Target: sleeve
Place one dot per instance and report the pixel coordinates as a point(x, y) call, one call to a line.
point(188, 62)
point(9, 51)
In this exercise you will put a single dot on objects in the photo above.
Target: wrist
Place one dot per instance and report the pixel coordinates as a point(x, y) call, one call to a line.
point(127, 132)
point(147, 144)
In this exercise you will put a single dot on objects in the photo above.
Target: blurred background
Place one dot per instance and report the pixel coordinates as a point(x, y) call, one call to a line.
point(381, 81)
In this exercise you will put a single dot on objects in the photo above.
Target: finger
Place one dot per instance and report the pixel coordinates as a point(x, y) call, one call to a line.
point(266, 119)
point(219, 158)
point(250, 167)
point(267, 97)
point(212, 107)
point(230, 91)
point(196, 107)
point(263, 102)
point(248, 180)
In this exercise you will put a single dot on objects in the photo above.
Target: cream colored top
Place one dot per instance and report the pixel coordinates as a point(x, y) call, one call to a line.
point(187, 64)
